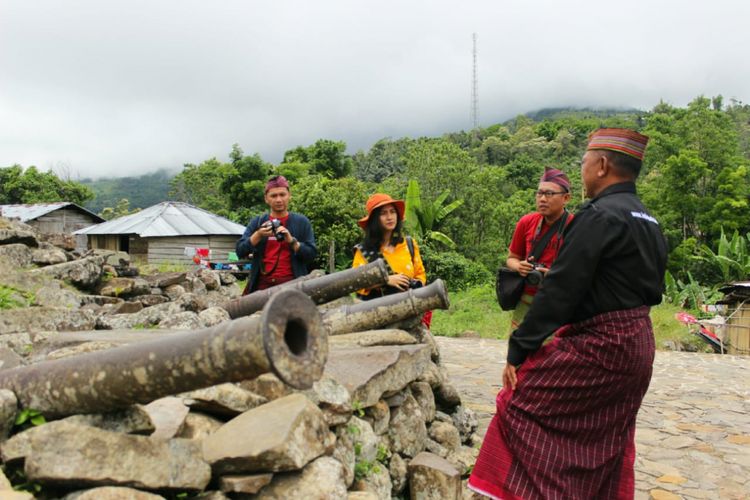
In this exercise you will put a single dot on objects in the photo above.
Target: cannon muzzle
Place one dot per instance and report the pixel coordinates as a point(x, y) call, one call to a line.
point(288, 339)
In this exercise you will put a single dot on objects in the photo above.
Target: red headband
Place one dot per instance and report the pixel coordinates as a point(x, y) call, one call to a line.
point(277, 182)
point(557, 176)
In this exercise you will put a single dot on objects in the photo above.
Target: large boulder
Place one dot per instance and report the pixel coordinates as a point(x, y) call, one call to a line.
point(407, 431)
point(282, 435)
point(371, 372)
point(124, 287)
point(30, 319)
point(112, 493)
point(227, 400)
point(376, 480)
point(8, 411)
point(48, 255)
point(332, 398)
point(422, 392)
point(372, 338)
point(247, 484)
point(84, 273)
point(433, 478)
point(398, 469)
point(323, 478)
point(168, 415)
point(198, 426)
point(267, 385)
point(17, 234)
point(67, 454)
point(16, 254)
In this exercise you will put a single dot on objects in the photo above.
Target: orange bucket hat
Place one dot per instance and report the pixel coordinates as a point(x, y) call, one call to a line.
point(379, 200)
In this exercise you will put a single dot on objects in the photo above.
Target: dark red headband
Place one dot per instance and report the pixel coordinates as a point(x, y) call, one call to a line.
point(277, 182)
point(557, 176)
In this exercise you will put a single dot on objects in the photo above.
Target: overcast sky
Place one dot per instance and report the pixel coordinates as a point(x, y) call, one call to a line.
point(114, 88)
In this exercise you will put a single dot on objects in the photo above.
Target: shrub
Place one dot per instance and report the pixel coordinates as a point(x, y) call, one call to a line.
point(458, 272)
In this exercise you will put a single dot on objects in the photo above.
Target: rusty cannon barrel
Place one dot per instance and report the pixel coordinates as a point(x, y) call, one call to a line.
point(321, 289)
point(376, 313)
point(288, 338)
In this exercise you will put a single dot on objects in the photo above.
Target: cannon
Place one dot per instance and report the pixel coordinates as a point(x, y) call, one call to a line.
point(383, 311)
point(288, 338)
point(320, 289)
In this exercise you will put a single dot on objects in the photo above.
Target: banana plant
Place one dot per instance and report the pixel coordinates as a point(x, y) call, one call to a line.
point(422, 217)
point(731, 257)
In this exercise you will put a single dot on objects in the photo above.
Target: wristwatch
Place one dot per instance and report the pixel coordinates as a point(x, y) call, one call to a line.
point(294, 242)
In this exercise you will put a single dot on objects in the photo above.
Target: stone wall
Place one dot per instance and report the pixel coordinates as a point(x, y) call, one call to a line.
point(383, 421)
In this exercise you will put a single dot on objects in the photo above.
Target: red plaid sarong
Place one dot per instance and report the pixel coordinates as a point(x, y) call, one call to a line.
point(568, 430)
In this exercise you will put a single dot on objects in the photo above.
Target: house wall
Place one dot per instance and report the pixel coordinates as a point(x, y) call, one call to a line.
point(104, 241)
point(172, 249)
point(738, 329)
point(63, 220)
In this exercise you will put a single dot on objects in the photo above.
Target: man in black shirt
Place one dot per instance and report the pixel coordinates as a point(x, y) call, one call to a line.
point(565, 421)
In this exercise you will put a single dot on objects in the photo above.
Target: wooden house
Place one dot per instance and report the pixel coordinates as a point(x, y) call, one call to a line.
point(53, 218)
point(737, 327)
point(167, 233)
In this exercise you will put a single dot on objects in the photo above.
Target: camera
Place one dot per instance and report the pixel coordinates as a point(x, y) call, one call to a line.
point(534, 277)
point(415, 284)
point(275, 224)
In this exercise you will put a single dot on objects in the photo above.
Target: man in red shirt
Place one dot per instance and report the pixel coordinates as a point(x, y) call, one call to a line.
point(281, 242)
point(552, 195)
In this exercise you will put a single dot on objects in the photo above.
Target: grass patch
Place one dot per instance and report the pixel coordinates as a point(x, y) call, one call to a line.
point(477, 310)
point(11, 298)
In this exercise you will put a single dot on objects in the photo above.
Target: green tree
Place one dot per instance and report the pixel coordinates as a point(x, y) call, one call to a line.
point(120, 210)
point(32, 186)
point(244, 183)
point(325, 157)
point(201, 186)
point(423, 216)
point(333, 206)
point(384, 159)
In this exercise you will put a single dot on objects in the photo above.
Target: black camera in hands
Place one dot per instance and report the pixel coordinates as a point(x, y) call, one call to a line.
point(415, 284)
point(535, 276)
point(275, 224)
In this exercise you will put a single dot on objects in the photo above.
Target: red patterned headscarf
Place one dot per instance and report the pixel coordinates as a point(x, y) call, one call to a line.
point(278, 181)
point(620, 140)
point(557, 176)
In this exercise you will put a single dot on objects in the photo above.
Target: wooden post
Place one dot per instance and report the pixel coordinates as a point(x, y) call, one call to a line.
point(332, 256)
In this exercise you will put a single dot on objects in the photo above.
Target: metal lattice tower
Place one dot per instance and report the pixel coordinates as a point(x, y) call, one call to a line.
point(474, 87)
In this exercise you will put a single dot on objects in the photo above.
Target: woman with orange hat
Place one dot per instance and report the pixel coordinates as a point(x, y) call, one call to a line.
point(384, 238)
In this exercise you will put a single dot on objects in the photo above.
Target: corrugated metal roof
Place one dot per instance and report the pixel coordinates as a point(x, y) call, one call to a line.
point(169, 218)
point(33, 211)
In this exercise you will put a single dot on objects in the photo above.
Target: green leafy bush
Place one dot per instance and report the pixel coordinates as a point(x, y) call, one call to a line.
point(458, 272)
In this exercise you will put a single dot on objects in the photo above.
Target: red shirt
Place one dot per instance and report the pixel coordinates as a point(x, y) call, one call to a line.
point(530, 228)
point(276, 250)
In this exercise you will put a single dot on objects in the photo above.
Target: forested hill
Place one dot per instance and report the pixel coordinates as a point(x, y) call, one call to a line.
point(141, 191)
point(467, 189)
point(578, 113)
point(146, 190)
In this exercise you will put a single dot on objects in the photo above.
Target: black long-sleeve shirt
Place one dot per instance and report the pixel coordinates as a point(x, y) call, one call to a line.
point(613, 257)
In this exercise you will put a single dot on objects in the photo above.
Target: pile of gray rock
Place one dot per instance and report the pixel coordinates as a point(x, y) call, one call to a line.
point(383, 421)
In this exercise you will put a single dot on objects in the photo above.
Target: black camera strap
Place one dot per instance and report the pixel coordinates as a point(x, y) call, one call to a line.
point(278, 256)
point(542, 243)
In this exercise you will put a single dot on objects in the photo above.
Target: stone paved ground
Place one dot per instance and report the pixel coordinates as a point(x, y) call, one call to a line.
point(693, 434)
